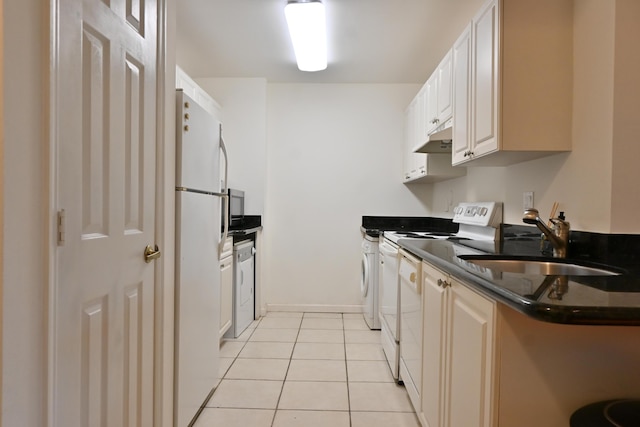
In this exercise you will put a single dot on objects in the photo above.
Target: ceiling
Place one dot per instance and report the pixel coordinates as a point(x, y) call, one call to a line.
point(369, 41)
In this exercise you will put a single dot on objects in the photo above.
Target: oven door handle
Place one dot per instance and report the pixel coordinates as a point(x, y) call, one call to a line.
point(364, 283)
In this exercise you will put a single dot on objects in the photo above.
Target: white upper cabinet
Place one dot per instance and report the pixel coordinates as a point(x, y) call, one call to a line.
point(421, 167)
point(484, 81)
point(409, 157)
point(461, 55)
point(445, 89)
point(517, 82)
point(438, 91)
point(430, 108)
point(431, 113)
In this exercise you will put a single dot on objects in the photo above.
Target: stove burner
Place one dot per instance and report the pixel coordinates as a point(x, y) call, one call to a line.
point(418, 236)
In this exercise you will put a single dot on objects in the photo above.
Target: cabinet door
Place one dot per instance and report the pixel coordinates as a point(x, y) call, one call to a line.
point(484, 80)
point(409, 132)
point(461, 58)
point(471, 322)
point(444, 93)
point(226, 294)
point(409, 278)
point(421, 132)
point(414, 164)
point(431, 93)
point(433, 344)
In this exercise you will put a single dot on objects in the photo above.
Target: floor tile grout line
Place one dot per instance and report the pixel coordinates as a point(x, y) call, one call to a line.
point(346, 367)
point(284, 380)
point(299, 329)
point(222, 377)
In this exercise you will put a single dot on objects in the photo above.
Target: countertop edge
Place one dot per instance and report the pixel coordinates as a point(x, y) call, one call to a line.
point(570, 315)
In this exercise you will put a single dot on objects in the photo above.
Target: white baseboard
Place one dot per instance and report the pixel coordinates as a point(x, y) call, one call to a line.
point(315, 308)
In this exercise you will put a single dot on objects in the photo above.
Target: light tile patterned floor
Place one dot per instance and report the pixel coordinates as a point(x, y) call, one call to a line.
point(307, 369)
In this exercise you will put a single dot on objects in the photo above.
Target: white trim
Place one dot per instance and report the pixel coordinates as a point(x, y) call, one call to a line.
point(191, 88)
point(163, 317)
point(315, 308)
point(52, 197)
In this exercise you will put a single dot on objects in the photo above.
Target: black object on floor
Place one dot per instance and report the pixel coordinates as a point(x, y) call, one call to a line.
point(610, 413)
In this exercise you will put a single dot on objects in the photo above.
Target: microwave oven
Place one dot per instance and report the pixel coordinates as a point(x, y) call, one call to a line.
point(235, 207)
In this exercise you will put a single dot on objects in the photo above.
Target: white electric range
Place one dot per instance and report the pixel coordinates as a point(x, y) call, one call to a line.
point(479, 225)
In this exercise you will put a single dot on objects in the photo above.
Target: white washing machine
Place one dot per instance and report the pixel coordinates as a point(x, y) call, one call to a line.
point(369, 281)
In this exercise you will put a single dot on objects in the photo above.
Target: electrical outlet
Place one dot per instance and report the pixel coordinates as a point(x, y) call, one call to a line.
point(527, 200)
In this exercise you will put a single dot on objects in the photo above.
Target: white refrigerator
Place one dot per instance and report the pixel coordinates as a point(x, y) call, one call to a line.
point(198, 235)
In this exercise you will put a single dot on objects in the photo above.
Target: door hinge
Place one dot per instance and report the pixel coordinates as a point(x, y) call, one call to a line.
point(61, 227)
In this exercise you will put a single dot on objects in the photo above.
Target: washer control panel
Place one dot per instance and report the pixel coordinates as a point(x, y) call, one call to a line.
point(485, 214)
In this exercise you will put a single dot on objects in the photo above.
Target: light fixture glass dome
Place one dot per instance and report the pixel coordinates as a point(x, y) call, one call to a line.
point(307, 27)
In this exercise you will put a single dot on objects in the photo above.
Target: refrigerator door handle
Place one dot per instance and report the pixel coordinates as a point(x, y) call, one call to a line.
point(224, 192)
point(225, 233)
point(226, 161)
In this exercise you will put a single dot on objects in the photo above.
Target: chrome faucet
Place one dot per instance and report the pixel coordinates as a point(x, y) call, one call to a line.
point(558, 235)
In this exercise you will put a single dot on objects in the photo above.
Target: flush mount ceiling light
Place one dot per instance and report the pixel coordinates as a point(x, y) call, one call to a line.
point(307, 27)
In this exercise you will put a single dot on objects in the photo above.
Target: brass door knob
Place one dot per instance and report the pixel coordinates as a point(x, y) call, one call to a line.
point(151, 253)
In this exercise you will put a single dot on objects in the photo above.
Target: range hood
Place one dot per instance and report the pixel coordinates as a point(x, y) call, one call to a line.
point(439, 140)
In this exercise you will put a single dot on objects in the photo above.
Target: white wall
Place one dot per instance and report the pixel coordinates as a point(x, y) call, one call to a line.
point(334, 155)
point(626, 119)
point(304, 156)
point(244, 103)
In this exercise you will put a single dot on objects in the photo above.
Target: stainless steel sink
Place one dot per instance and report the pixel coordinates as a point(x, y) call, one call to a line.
point(541, 267)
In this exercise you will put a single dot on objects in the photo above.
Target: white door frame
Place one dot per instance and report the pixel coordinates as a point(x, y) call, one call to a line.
point(163, 323)
point(165, 225)
point(1, 193)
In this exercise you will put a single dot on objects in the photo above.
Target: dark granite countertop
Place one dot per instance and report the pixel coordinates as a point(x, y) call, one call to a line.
point(246, 228)
point(374, 225)
point(247, 225)
point(593, 300)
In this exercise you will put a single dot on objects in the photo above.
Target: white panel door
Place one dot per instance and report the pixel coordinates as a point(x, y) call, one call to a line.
point(103, 300)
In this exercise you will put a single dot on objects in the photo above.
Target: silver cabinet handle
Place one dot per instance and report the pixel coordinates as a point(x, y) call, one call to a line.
point(443, 283)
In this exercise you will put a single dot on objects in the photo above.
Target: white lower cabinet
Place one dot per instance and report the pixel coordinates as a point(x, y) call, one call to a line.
point(226, 286)
point(458, 353)
point(486, 365)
